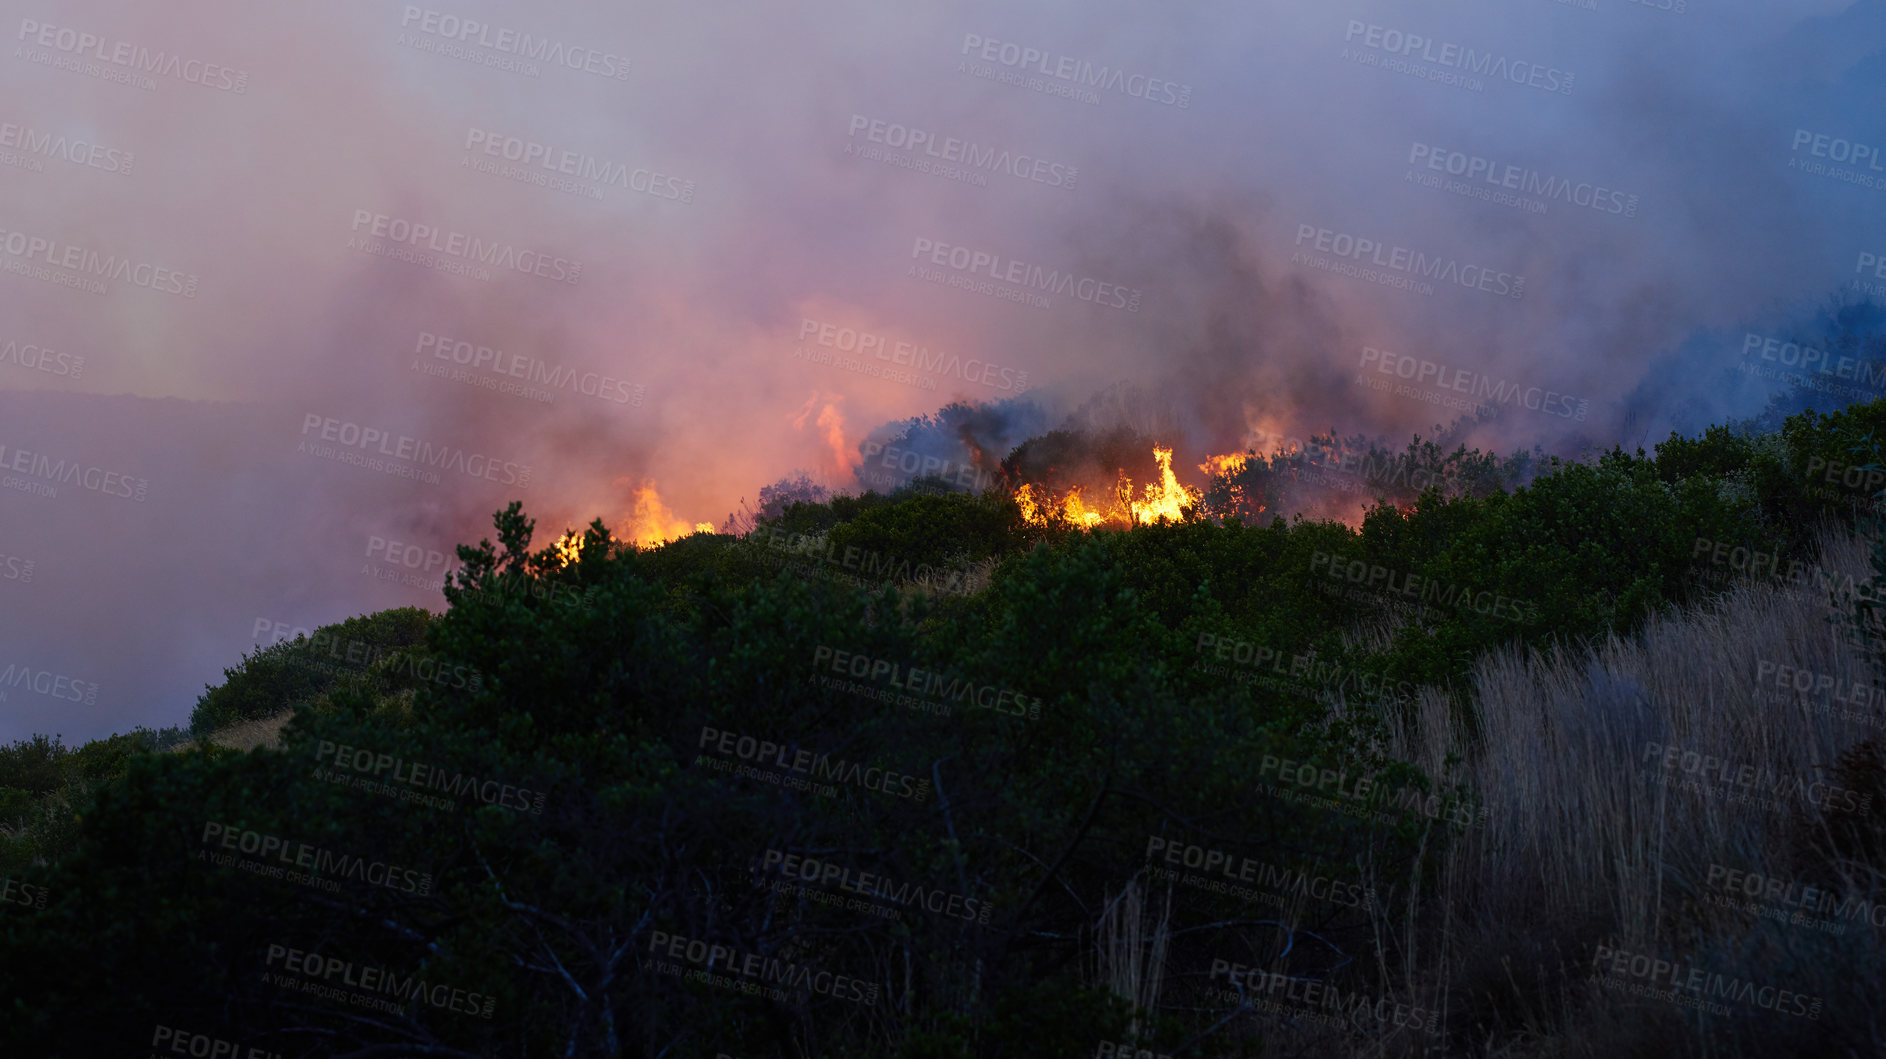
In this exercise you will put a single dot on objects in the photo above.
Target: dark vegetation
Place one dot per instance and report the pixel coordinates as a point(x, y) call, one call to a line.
point(594, 682)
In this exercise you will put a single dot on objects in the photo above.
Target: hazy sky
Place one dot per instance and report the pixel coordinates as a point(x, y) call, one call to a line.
point(264, 263)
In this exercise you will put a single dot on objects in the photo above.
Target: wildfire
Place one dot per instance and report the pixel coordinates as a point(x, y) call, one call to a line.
point(1079, 513)
point(1230, 463)
point(566, 548)
point(1071, 508)
point(650, 521)
point(1163, 499)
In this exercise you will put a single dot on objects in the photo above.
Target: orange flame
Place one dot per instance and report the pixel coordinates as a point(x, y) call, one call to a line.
point(567, 547)
point(1164, 499)
point(1230, 463)
point(1079, 513)
point(652, 524)
point(1071, 509)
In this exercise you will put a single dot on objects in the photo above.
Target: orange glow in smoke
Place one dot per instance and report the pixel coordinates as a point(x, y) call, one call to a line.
point(841, 458)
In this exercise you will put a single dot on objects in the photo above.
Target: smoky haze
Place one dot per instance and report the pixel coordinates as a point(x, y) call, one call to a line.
point(686, 215)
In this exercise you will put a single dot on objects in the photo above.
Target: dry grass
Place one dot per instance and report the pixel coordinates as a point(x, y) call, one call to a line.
point(1581, 847)
point(247, 735)
point(1132, 948)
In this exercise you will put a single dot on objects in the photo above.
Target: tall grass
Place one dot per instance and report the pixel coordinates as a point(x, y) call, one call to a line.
point(1584, 847)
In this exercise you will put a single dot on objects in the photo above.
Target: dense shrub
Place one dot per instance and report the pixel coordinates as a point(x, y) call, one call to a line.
point(1100, 692)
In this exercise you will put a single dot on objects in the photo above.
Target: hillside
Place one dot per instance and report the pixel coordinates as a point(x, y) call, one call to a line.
point(916, 776)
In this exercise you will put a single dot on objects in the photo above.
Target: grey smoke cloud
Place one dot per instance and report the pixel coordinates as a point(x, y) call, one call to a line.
point(1105, 194)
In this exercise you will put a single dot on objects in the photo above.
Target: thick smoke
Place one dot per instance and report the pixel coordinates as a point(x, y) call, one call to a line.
point(1136, 215)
